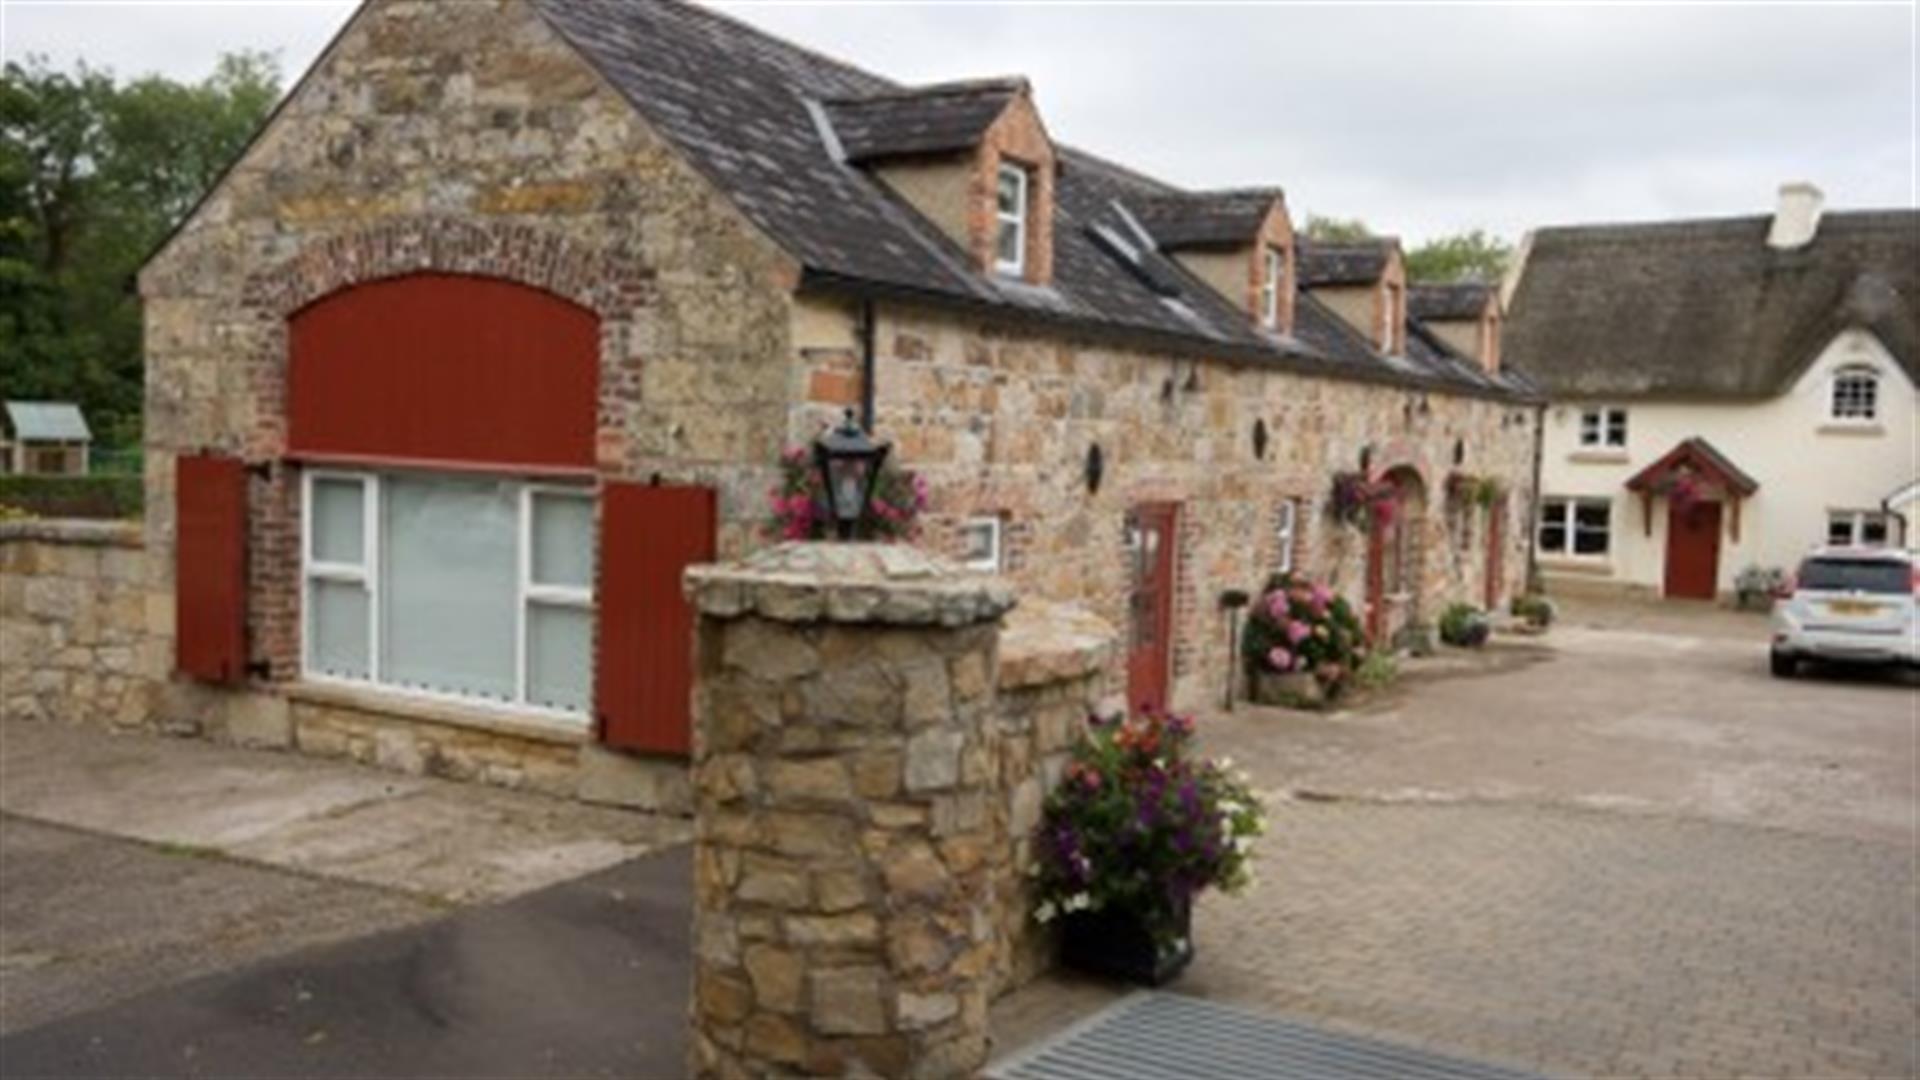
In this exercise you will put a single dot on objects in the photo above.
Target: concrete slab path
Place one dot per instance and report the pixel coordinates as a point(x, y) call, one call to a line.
point(457, 843)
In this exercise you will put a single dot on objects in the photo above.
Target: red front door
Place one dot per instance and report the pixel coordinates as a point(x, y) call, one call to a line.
point(1693, 550)
point(1150, 540)
point(1496, 559)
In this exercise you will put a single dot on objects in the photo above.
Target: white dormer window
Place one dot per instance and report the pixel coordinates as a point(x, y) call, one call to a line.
point(1010, 237)
point(1603, 429)
point(1856, 395)
point(1274, 269)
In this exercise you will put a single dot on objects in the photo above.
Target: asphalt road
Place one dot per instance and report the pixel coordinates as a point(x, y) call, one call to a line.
point(583, 979)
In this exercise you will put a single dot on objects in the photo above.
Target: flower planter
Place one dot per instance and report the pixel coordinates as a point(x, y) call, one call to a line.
point(1115, 944)
point(1295, 689)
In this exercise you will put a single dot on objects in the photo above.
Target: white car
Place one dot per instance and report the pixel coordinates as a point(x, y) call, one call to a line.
point(1851, 604)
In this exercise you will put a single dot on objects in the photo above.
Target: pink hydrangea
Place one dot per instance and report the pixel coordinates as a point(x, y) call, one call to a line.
point(1298, 631)
point(1280, 659)
point(1277, 606)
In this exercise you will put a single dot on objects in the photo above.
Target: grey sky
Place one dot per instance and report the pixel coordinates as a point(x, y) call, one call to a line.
point(1419, 118)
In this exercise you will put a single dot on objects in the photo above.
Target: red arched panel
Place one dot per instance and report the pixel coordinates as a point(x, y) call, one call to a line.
point(447, 369)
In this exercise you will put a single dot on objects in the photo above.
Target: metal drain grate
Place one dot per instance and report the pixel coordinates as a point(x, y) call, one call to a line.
point(1155, 1036)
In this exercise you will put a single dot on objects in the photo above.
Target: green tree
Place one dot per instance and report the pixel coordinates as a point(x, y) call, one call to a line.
point(93, 174)
point(1468, 256)
point(1331, 230)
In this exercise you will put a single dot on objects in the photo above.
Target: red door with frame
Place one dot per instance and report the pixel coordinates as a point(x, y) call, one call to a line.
point(1496, 557)
point(1150, 540)
point(1693, 550)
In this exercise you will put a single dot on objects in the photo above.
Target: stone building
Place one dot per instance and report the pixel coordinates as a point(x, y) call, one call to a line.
point(508, 312)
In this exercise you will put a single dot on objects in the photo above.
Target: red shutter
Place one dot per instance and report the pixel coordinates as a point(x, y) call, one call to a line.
point(643, 683)
point(210, 569)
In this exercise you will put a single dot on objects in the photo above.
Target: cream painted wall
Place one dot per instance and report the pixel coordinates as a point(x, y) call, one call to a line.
point(1805, 464)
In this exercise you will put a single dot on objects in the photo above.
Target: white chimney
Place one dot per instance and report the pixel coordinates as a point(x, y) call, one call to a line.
point(1797, 216)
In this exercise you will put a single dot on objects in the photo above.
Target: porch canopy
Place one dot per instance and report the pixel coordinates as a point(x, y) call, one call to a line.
point(1694, 471)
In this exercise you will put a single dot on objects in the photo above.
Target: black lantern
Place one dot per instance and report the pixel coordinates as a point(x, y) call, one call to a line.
point(849, 464)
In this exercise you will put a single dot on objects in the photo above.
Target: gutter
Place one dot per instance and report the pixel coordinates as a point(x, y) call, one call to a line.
point(1533, 507)
point(866, 364)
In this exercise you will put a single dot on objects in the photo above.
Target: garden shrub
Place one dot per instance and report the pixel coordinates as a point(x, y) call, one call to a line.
point(1536, 609)
point(1299, 625)
point(1376, 671)
point(1464, 625)
point(99, 496)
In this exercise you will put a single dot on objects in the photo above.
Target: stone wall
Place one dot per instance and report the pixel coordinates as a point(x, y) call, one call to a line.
point(81, 639)
point(1053, 676)
point(1000, 416)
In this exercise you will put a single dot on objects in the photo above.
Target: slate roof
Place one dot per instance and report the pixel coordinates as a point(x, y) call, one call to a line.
point(1199, 219)
point(1359, 263)
point(1453, 300)
point(1705, 309)
point(49, 421)
point(935, 119)
point(758, 116)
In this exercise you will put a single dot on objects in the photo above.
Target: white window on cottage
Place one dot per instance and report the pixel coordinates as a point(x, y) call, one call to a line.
point(1859, 528)
point(1274, 268)
point(1604, 428)
point(1856, 395)
point(981, 546)
point(1010, 210)
point(1575, 527)
point(464, 587)
point(1285, 530)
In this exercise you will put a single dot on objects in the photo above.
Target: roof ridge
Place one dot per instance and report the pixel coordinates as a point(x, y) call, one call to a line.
point(951, 88)
point(775, 40)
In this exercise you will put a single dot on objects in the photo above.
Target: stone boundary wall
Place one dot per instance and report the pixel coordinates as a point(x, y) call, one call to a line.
point(81, 640)
point(1054, 673)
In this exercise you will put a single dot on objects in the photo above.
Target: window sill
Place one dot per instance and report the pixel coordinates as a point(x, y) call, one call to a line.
point(1591, 566)
point(1842, 427)
point(1598, 457)
point(474, 716)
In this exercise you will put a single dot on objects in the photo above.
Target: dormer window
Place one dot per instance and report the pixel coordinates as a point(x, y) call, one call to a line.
point(1272, 273)
point(1856, 396)
point(1010, 211)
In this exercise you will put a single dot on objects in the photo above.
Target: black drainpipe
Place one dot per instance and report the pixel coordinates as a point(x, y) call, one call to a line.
point(866, 366)
point(1533, 509)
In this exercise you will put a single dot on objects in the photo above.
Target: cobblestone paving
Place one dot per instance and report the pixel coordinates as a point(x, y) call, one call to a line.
point(1568, 941)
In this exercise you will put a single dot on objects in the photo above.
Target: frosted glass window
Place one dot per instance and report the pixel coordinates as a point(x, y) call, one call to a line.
point(562, 540)
point(340, 625)
point(449, 585)
point(339, 526)
point(559, 656)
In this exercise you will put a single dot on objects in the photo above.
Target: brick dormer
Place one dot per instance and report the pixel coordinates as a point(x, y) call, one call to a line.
point(972, 157)
point(1240, 242)
point(1365, 283)
point(1466, 315)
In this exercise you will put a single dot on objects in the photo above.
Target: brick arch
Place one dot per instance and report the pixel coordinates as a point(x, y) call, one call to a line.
point(608, 285)
point(1400, 454)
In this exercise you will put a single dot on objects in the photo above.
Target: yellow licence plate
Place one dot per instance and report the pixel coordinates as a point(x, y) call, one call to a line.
point(1852, 607)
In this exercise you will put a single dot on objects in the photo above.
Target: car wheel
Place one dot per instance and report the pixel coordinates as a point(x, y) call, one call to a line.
point(1784, 665)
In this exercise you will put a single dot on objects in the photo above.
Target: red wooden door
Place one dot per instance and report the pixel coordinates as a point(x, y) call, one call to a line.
point(1693, 550)
point(643, 672)
point(1496, 557)
point(1151, 531)
point(1376, 578)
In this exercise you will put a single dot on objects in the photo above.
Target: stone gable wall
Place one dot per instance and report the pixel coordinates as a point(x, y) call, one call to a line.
point(463, 138)
point(1000, 418)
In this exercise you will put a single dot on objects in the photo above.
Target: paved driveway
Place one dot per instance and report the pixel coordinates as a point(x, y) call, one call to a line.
point(1628, 852)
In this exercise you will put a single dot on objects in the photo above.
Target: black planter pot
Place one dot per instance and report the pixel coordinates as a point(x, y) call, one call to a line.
point(1117, 945)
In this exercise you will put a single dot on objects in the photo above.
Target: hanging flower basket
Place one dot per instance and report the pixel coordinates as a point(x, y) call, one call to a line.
point(1466, 489)
point(1361, 503)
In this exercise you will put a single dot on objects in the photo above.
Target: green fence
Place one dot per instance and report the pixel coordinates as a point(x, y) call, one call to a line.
point(98, 496)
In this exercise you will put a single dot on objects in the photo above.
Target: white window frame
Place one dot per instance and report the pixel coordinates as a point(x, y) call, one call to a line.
point(1857, 526)
point(367, 574)
point(1602, 433)
point(1569, 522)
point(996, 529)
point(1853, 372)
point(1016, 266)
point(1286, 528)
point(1274, 266)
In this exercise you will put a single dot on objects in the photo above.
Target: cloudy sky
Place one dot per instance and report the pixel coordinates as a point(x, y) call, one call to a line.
point(1419, 118)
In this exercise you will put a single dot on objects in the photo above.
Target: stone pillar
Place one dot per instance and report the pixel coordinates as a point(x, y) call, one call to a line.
point(844, 901)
